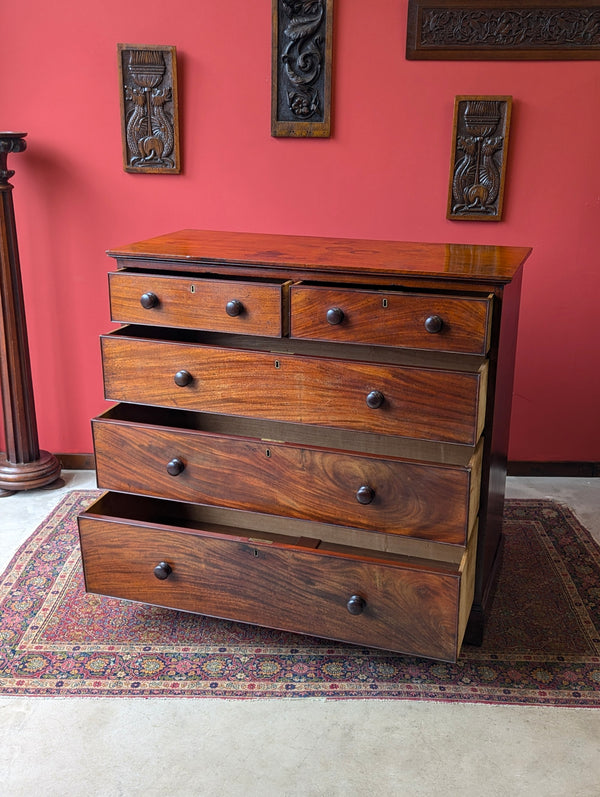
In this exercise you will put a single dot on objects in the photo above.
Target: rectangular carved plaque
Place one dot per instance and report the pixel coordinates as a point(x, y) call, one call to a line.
point(478, 162)
point(301, 68)
point(503, 30)
point(149, 111)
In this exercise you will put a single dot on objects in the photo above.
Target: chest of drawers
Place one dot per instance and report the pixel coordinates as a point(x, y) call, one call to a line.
point(308, 434)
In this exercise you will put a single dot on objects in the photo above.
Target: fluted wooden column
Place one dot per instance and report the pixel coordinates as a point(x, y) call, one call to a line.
point(23, 466)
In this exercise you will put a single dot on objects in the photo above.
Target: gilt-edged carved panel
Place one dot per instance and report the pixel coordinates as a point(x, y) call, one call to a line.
point(301, 68)
point(503, 30)
point(478, 159)
point(149, 110)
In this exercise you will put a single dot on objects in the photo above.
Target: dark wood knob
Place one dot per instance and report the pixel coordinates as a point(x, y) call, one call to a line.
point(365, 494)
point(234, 307)
point(434, 324)
point(148, 300)
point(335, 315)
point(175, 467)
point(356, 604)
point(164, 570)
point(375, 399)
point(182, 378)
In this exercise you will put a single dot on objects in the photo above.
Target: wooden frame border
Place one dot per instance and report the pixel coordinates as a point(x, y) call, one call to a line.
point(284, 124)
point(503, 30)
point(478, 126)
point(149, 90)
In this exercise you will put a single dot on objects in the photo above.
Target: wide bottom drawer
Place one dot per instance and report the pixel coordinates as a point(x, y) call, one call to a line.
point(161, 553)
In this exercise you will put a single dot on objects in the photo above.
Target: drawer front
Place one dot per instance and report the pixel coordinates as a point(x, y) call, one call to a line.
point(243, 307)
point(404, 607)
point(387, 495)
point(388, 318)
point(430, 404)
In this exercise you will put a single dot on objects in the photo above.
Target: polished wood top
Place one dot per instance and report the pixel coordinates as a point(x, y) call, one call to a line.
point(494, 264)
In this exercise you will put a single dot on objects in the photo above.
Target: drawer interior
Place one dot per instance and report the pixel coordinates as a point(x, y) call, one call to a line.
point(194, 519)
point(302, 434)
point(466, 363)
point(235, 523)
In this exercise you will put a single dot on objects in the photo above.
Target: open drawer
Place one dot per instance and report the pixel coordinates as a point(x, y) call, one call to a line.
point(168, 554)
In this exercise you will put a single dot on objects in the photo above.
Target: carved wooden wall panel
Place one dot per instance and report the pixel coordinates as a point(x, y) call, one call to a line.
point(301, 67)
point(478, 163)
point(149, 111)
point(503, 29)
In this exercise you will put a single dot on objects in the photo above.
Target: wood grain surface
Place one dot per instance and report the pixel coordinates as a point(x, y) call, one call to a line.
point(409, 498)
point(418, 402)
point(388, 318)
point(409, 608)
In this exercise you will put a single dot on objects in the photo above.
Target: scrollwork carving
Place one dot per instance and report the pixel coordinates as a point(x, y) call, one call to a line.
point(512, 27)
point(302, 39)
point(447, 29)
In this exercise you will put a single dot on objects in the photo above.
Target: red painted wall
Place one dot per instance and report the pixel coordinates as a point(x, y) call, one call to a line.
point(383, 174)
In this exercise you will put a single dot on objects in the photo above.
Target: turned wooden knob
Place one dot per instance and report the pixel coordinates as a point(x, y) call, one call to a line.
point(234, 307)
point(148, 300)
point(434, 324)
point(365, 494)
point(375, 399)
point(175, 467)
point(164, 570)
point(356, 604)
point(335, 315)
point(182, 378)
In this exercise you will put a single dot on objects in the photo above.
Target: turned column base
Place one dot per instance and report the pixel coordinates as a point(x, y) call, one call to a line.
point(16, 476)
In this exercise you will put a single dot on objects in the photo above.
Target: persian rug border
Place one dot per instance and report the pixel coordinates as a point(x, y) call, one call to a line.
point(242, 662)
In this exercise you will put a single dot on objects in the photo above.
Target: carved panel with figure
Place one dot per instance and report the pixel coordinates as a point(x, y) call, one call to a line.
point(149, 112)
point(478, 161)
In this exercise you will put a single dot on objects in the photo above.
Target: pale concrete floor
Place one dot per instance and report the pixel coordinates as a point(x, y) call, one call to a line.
point(292, 748)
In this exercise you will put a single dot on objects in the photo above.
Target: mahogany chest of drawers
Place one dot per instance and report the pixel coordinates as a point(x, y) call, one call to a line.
point(310, 434)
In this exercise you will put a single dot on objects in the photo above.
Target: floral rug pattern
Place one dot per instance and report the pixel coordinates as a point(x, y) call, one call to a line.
point(542, 644)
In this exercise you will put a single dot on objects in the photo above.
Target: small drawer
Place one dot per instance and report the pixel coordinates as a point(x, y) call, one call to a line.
point(219, 305)
point(391, 318)
point(143, 550)
point(424, 403)
point(384, 494)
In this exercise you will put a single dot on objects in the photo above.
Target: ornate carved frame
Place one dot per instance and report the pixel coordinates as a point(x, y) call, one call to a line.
point(302, 48)
point(149, 109)
point(478, 162)
point(503, 30)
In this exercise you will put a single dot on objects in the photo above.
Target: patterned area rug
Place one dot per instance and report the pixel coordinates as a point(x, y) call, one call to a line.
point(542, 644)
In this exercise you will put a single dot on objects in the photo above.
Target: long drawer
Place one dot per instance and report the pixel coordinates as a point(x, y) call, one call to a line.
point(385, 494)
point(391, 318)
point(135, 550)
point(425, 403)
point(245, 307)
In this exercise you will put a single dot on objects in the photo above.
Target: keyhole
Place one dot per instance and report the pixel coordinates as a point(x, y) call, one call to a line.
point(192, 289)
point(255, 553)
point(277, 364)
point(268, 452)
point(384, 303)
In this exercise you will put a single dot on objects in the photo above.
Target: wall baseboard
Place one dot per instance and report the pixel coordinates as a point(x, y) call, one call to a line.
point(583, 470)
point(77, 461)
